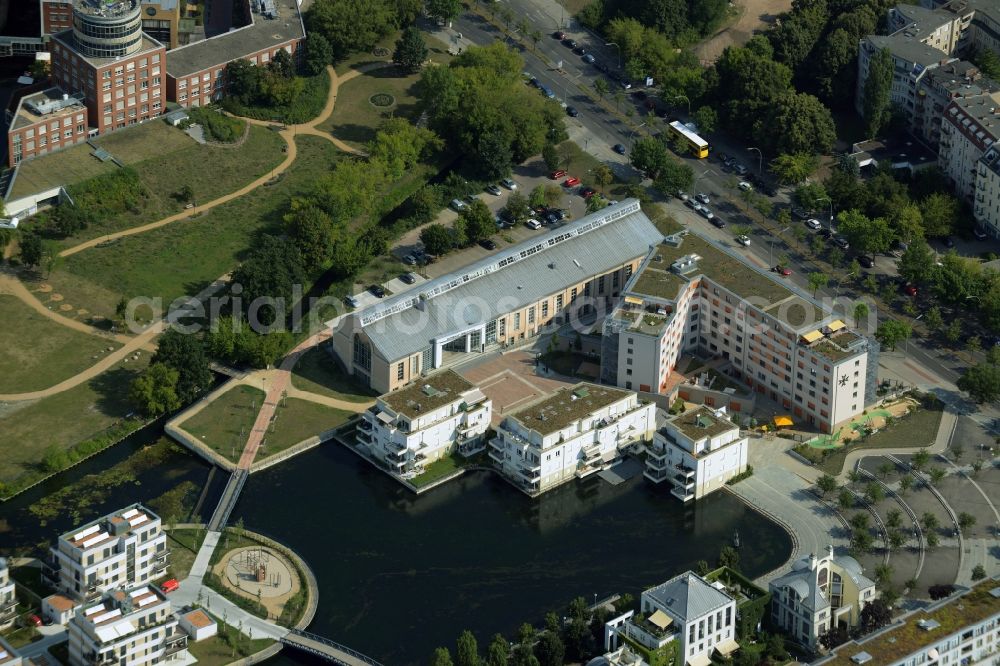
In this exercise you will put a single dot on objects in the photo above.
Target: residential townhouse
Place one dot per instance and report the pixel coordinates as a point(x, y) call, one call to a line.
point(572, 433)
point(128, 627)
point(698, 452)
point(411, 428)
point(8, 596)
point(123, 549)
point(692, 295)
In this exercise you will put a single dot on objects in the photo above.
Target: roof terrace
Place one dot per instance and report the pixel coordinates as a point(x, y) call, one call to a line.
point(428, 394)
point(701, 423)
point(110, 527)
point(45, 105)
point(567, 406)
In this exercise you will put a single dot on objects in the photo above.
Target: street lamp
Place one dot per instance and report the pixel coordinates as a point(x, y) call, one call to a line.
point(573, 81)
point(770, 248)
point(760, 160)
point(629, 137)
point(699, 177)
point(619, 52)
point(683, 97)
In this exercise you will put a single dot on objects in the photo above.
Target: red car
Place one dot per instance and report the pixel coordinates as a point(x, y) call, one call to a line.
point(556, 175)
point(34, 620)
point(571, 181)
point(910, 290)
point(782, 271)
point(587, 192)
point(169, 585)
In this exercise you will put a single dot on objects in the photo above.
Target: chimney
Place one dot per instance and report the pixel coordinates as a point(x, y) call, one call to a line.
point(812, 561)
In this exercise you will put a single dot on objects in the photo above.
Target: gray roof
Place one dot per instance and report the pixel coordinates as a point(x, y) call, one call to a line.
point(500, 290)
point(688, 596)
point(906, 48)
point(262, 34)
point(802, 579)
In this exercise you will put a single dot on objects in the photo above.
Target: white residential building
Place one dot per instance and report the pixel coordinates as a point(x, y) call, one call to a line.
point(572, 433)
point(818, 595)
point(8, 655)
point(687, 608)
point(691, 295)
point(127, 627)
point(962, 629)
point(123, 549)
point(412, 427)
point(8, 598)
point(697, 451)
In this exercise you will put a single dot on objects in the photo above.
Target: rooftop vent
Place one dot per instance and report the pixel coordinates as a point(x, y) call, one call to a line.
point(861, 658)
point(995, 592)
point(928, 625)
point(429, 390)
point(685, 264)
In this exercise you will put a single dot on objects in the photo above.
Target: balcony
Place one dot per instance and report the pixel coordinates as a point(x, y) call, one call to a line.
point(655, 475)
point(688, 472)
point(531, 474)
point(364, 436)
point(174, 644)
point(682, 481)
point(682, 494)
point(365, 424)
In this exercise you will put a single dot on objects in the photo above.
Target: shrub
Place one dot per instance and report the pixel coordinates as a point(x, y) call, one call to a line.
point(217, 126)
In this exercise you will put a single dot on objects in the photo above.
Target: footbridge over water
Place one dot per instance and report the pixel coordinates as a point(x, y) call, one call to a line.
point(327, 649)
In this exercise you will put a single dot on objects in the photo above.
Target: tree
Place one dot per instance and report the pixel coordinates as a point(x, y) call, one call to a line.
point(673, 176)
point(551, 156)
point(920, 459)
point(411, 50)
point(356, 25)
point(601, 86)
point(890, 333)
point(479, 222)
point(729, 557)
point(981, 382)
point(834, 637)
point(550, 649)
point(437, 240)
point(797, 123)
point(940, 591)
point(319, 53)
point(875, 615)
point(702, 568)
point(940, 214)
point(268, 277)
point(875, 99)
point(185, 193)
point(845, 499)
point(517, 207)
point(817, 280)
point(905, 483)
point(966, 521)
point(495, 155)
point(874, 493)
point(154, 392)
point(936, 475)
point(791, 169)
point(917, 263)
point(860, 313)
point(883, 574)
point(933, 539)
point(929, 521)
point(649, 156)
point(896, 540)
point(706, 119)
point(498, 651)
point(893, 519)
point(602, 175)
point(860, 522)
point(185, 354)
point(810, 196)
point(312, 231)
point(870, 237)
point(978, 572)
point(466, 650)
point(826, 484)
point(776, 648)
point(441, 657)
point(31, 250)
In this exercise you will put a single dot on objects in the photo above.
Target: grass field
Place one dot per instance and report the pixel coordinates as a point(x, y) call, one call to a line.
point(215, 651)
point(183, 545)
point(297, 420)
point(184, 257)
point(27, 429)
point(224, 424)
point(316, 372)
point(144, 142)
point(355, 119)
point(39, 352)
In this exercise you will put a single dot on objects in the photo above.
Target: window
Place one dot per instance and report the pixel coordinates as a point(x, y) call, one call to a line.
point(517, 320)
point(362, 353)
point(559, 301)
point(531, 315)
point(400, 371)
point(545, 309)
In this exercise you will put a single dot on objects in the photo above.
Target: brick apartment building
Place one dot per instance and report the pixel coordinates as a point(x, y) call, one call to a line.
point(45, 121)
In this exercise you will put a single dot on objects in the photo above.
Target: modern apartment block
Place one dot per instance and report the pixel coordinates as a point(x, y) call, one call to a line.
point(697, 451)
point(123, 549)
point(688, 609)
point(413, 427)
point(43, 122)
point(691, 295)
point(8, 655)
point(128, 626)
point(501, 300)
point(819, 594)
point(8, 598)
point(962, 629)
point(572, 433)
point(196, 72)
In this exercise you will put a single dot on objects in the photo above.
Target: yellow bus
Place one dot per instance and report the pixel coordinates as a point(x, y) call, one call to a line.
point(697, 145)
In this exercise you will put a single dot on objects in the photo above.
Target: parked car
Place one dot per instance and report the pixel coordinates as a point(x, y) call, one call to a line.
point(866, 261)
point(587, 192)
point(509, 184)
point(745, 186)
point(546, 91)
point(552, 217)
point(705, 212)
point(532, 223)
point(979, 234)
point(813, 223)
point(457, 205)
point(572, 112)
point(722, 157)
point(559, 34)
point(571, 181)
point(580, 50)
point(569, 43)
point(410, 260)
point(703, 198)
point(948, 242)
point(487, 244)
point(841, 242)
point(619, 148)
point(377, 290)
point(782, 270)
point(682, 195)
point(716, 222)
point(408, 278)
point(34, 621)
point(589, 59)
point(556, 175)
point(492, 188)
point(910, 290)
point(167, 587)
point(743, 240)
point(825, 233)
point(740, 169)
point(626, 85)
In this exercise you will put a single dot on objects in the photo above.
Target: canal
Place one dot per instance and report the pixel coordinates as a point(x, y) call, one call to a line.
point(400, 575)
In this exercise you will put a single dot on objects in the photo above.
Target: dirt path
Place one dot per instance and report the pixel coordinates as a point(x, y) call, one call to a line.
point(755, 15)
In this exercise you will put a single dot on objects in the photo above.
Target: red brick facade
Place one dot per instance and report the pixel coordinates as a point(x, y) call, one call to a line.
point(31, 135)
point(57, 15)
point(208, 85)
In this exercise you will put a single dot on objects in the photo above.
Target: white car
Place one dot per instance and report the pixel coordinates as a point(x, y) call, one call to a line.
point(682, 195)
point(509, 184)
point(457, 205)
point(813, 223)
point(702, 197)
point(745, 186)
point(743, 240)
point(706, 213)
point(532, 223)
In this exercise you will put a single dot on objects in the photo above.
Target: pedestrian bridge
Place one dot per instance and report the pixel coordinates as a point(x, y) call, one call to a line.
point(327, 649)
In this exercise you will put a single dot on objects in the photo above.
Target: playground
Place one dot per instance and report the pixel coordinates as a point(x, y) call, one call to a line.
point(869, 423)
point(259, 573)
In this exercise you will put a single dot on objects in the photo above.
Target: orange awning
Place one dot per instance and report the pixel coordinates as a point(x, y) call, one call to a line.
point(783, 421)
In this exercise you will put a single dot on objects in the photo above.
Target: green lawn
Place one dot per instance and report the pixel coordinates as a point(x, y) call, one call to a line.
point(164, 174)
point(39, 352)
point(317, 372)
point(216, 651)
point(184, 257)
point(439, 469)
point(28, 429)
point(224, 424)
point(144, 142)
point(183, 545)
point(297, 420)
point(355, 119)
point(22, 636)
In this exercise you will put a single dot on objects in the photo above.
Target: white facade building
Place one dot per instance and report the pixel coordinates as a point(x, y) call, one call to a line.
point(688, 609)
point(697, 452)
point(572, 433)
point(8, 598)
point(413, 427)
point(818, 595)
point(962, 629)
point(691, 295)
point(127, 627)
point(198, 624)
point(123, 549)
